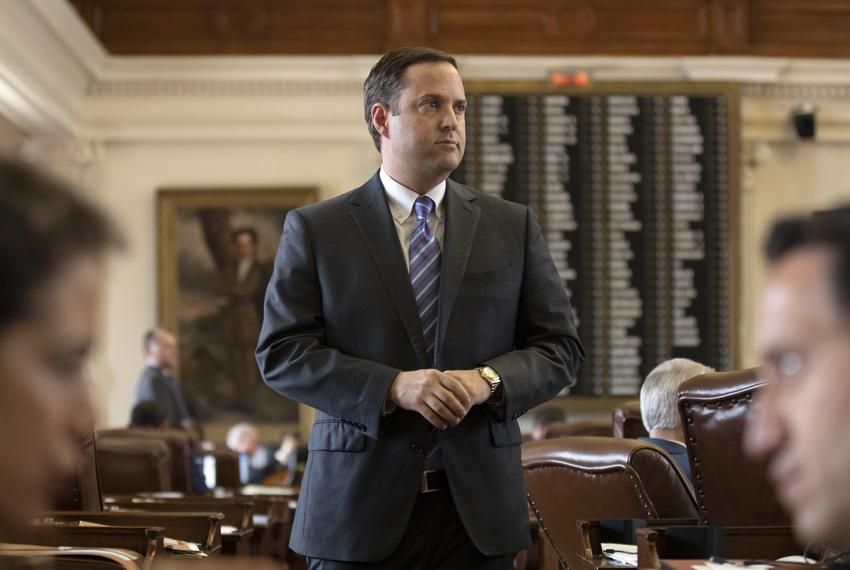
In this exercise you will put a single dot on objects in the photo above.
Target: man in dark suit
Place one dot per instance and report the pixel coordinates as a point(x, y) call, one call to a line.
point(158, 383)
point(659, 406)
point(420, 318)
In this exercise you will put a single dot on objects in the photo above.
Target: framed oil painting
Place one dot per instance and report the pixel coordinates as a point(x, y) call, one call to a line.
point(216, 250)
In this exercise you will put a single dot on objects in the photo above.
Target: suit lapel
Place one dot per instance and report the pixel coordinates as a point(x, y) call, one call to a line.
point(372, 216)
point(462, 215)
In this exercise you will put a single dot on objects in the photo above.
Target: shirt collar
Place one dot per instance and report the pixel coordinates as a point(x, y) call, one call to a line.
point(401, 198)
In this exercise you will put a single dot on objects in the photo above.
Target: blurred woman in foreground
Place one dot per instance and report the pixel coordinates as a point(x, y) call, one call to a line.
point(51, 255)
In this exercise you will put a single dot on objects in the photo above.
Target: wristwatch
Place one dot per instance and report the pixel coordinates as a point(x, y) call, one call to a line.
point(491, 376)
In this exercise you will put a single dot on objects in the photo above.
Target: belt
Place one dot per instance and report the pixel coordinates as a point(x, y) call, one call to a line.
point(433, 480)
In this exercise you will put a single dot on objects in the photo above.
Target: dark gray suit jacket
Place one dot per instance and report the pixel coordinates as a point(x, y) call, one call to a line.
point(164, 390)
point(341, 322)
point(677, 451)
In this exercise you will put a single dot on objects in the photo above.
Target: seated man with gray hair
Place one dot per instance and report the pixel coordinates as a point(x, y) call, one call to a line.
point(658, 407)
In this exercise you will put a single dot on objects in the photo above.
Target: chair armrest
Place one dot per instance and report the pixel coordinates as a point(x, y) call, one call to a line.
point(201, 528)
point(146, 540)
point(237, 512)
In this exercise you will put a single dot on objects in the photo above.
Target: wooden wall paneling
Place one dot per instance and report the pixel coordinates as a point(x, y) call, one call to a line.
point(250, 27)
point(407, 23)
point(539, 27)
point(813, 28)
point(785, 28)
point(730, 26)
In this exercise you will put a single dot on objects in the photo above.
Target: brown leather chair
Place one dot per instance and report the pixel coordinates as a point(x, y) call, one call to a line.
point(585, 427)
point(628, 421)
point(731, 489)
point(573, 478)
point(133, 465)
point(226, 467)
point(181, 443)
point(82, 493)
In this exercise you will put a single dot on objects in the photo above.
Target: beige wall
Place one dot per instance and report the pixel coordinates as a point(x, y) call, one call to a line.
point(125, 179)
point(784, 177)
point(789, 177)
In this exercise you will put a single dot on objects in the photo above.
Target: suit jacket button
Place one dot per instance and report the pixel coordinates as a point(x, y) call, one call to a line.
point(416, 448)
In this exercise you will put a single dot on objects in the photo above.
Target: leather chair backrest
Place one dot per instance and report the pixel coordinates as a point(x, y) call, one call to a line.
point(628, 421)
point(732, 490)
point(181, 443)
point(584, 427)
point(82, 492)
point(574, 478)
point(226, 468)
point(133, 465)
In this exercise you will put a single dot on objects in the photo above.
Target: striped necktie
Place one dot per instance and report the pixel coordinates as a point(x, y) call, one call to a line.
point(425, 261)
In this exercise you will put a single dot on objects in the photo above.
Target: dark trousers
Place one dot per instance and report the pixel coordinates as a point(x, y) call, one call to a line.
point(434, 539)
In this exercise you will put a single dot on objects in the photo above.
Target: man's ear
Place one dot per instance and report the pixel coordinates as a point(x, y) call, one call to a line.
point(380, 119)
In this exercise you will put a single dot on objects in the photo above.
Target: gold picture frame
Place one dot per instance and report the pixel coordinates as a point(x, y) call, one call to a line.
point(216, 249)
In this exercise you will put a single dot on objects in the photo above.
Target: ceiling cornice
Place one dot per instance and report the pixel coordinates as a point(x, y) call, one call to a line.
point(55, 76)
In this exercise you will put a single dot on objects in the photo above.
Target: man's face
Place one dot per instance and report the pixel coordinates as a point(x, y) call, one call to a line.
point(802, 422)
point(245, 246)
point(164, 349)
point(427, 130)
point(45, 406)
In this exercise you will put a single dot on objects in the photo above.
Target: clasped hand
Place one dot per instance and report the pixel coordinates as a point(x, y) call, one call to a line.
point(442, 398)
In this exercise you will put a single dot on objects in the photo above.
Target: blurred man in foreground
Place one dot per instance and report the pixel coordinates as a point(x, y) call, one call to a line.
point(803, 342)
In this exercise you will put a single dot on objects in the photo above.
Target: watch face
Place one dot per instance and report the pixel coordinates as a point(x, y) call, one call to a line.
point(489, 374)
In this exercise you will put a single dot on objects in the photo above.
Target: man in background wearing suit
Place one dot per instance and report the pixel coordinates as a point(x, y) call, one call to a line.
point(158, 383)
point(659, 406)
point(420, 318)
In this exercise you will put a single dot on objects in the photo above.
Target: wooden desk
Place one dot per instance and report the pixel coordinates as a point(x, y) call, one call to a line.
point(203, 529)
point(686, 540)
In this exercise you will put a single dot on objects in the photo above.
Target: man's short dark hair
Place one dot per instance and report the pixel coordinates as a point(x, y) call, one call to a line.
point(147, 414)
point(386, 79)
point(149, 339)
point(828, 229)
point(43, 225)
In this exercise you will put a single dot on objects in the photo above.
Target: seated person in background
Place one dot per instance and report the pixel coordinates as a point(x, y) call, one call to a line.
point(543, 418)
point(659, 409)
point(148, 414)
point(256, 459)
point(51, 248)
point(802, 421)
point(158, 383)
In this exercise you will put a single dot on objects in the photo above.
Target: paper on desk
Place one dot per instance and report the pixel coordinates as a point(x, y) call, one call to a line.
point(622, 553)
point(181, 546)
point(267, 490)
point(728, 566)
point(89, 524)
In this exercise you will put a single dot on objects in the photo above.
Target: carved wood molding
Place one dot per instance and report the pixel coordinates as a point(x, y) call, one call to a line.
point(811, 28)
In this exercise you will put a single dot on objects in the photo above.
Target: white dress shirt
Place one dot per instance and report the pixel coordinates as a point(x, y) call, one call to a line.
point(401, 201)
